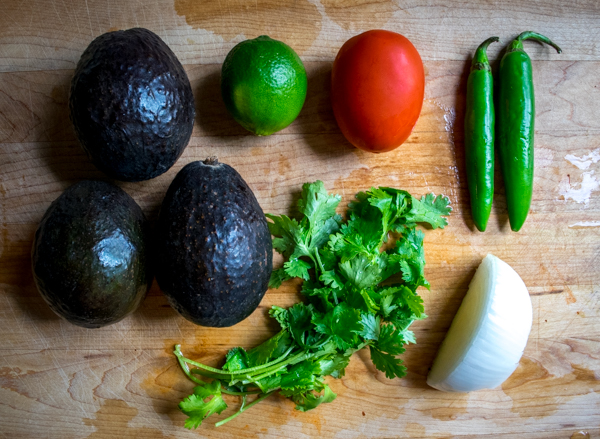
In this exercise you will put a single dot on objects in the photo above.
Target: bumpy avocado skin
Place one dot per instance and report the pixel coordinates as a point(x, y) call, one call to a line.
point(131, 104)
point(90, 255)
point(214, 249)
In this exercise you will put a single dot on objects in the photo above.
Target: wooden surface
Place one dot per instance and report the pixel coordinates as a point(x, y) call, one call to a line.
point(61, 381)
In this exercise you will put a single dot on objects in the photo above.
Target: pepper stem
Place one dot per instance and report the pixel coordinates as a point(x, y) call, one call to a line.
point(480, 59)
point(517, 43)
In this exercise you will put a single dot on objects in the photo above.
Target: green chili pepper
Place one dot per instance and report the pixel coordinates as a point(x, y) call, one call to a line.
point(479, 136)
point(516, 126)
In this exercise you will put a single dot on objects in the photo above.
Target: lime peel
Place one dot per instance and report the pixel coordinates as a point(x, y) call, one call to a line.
point(263, 85)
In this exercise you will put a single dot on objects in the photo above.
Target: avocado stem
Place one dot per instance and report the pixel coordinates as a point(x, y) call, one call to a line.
point(211, 161)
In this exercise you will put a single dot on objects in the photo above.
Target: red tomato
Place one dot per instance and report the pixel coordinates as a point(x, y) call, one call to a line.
point(377, 89)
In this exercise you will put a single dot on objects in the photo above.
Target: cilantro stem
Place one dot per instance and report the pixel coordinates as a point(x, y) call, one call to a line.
point(295, 359)
point(220, 377)
point(231, 392)
point(233, 372)
point(319, 261)
point(387, 223)
point(314, 261)
point(184, 365)
point(243, 409)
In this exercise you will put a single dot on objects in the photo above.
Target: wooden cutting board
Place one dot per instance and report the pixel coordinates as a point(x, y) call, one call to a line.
point(122, 381)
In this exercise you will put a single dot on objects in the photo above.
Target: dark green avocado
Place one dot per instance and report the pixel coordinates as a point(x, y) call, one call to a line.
point(90, 255)
point(131, 104)
point(214, 249)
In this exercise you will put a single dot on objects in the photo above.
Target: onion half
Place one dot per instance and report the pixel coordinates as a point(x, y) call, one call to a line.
point(488, 334)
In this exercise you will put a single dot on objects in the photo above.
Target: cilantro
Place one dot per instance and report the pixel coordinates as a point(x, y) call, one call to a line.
point(360, 271)
point(197, 409)
point(371, 327)
point(360, 293)
point(308, 401)
point(297, 268)
point(278, 276)
point(272, 348)
point(236, 359)
point(341, 323)
point(299, 322)
point(388, 363)
point(430, 209)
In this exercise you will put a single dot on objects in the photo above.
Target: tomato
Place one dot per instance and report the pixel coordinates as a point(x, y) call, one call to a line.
point(377, 89)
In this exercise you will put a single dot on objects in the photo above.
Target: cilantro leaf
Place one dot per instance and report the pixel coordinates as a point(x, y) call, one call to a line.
point(328, 258)
point(300, 376)
point(387, 305)
point(279, 314)
point(408, 336)
point(269, 383)
point(278, 276)
point(431, 210)
point(236, 359)
point(272, 348)
point(371, 328)
point(299, 322)
point(401, 302)
point(297, 268)
point(359, 235)
point(364, 300)
point(346, 245)
point(287, 232)
point(320, 235)
point(308, 400)
point(407, 257)
point(390, 340)
point(316, 204)
point(413, 301)
point(334, 366)
point(391, 365)
point(197, 408)
point(380, 199)
point(332, 279)
point(341, 323)
point(361, 272)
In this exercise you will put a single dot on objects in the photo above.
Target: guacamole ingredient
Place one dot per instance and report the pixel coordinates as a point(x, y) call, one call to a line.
point(516, 117)
point(90, 255)
point(479, 136)
point(488, 334)
point(131, 104)
point(263, 84)
point(377, 89)
point(357, 296)
point(214, 252)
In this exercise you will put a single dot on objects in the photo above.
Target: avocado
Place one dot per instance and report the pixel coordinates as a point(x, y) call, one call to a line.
point(214, 249)
point(90, 255)
point(131, 104)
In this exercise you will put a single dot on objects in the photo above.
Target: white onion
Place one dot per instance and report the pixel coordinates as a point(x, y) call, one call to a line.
point(488, 334)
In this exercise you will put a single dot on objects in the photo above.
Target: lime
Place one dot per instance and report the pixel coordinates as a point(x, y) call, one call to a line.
point(263, 84)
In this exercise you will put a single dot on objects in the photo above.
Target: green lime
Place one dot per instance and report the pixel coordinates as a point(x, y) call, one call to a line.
point(263, 84)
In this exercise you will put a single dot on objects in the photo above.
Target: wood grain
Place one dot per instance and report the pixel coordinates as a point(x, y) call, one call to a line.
point(61, 381)
point(442, 30)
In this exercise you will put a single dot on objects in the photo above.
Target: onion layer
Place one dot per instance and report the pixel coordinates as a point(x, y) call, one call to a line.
point(488, 334)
